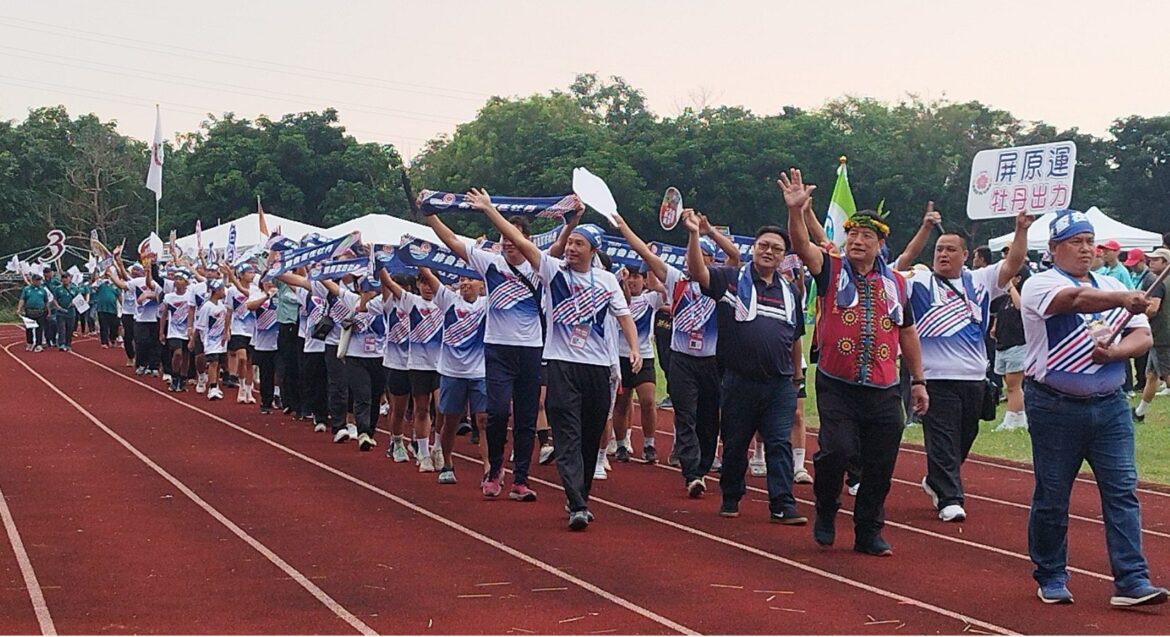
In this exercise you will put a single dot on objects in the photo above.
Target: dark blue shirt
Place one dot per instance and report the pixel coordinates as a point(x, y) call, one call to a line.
point(762, 347)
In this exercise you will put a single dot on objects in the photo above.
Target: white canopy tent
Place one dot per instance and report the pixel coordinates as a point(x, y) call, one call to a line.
point(380, 228)
point(248, 232)
point(1104, 228)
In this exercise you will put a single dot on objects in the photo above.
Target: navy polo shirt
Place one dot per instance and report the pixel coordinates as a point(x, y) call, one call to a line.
point(762, 347)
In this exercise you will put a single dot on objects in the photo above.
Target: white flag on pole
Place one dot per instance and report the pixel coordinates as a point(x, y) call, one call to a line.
point(154, 175)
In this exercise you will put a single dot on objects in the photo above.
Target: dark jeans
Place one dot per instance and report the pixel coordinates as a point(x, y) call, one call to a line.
point(513, 388)
point(767, 406)
point(128, 335)
point(576, 403)
point(148, 352)
point(860, 427)
point(366, 378)
point(107, 327)
point(314, 386)
point(266, 366)
point(338, 388)
point(288, 349)
point(694, 392)
point(949, 429)
point(1065, 432)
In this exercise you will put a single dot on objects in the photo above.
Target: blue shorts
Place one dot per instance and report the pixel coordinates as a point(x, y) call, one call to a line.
point(455, 394)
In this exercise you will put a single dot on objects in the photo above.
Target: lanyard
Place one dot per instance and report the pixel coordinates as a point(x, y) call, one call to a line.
point(575, 296)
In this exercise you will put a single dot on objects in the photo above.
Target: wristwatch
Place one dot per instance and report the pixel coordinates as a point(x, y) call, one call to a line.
point(918, 381)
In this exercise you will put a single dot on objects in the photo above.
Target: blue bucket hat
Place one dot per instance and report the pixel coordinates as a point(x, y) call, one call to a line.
point(1068, 223)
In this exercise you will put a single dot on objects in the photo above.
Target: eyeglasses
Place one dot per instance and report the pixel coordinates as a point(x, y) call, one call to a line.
point(770, 247)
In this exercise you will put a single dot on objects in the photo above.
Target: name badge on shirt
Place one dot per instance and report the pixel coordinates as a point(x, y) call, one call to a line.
point(370, 344)
point(695, 340)
point(579, 335)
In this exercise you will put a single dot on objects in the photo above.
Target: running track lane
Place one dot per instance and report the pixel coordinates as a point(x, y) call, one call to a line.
point(98, 524)
point(398, 571)
point(688, 590)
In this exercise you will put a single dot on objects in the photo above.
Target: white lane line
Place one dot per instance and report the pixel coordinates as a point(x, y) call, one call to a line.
point(898, 597)
point(296, 575)
point(528, 559)
point(35, 595)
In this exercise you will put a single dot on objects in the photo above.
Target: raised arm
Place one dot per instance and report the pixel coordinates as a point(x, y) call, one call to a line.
point(796, 195)
point(696, 267)
point(930, 219)
point(816, 232)
point(447, 236)
point(390, 285)
point(1010, 266)
point(295, 280)
point(723, 241)
point(481, 200)
point(425, 274)
point(557, 249)
point(657, 265)
point(118, 281)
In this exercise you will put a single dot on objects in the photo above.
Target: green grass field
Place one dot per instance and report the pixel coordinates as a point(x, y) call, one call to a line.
point(1152, 438)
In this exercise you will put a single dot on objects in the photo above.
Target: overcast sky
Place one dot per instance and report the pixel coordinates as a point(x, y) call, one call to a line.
point(403, 72)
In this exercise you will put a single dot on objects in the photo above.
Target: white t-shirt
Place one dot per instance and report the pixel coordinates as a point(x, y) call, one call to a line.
point(243, 320)
point(426, 332)
point(179, 308)
point(694, 329)
point(642, 309)
point(513, 315)
point(463, 333)
point(129, 301)
point(266, 331)
point(146, 300)
point(311, 310)
point(367, 336)
point(951, 326)
point(211, 319)
point(1059, 347)
point(397, 354)
point(577, 307)
point(198, 290)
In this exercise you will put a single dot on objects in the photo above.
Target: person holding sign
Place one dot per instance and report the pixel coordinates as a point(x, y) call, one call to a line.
point(951, 308)
point(581, 297)
point(862, 324)
point(1077, 411)
point(761, 319)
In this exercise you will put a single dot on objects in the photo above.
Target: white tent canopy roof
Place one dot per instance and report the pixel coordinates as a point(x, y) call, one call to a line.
point(1104, 228)
point(248, 231)
point(380, 228)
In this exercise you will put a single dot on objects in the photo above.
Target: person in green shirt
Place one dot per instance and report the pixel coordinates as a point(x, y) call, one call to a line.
point(34, 304)
point(104, 300)
point(66, 314)
point(1111, 265)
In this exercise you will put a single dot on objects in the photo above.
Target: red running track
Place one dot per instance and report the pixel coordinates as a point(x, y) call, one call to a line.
point(398, 553)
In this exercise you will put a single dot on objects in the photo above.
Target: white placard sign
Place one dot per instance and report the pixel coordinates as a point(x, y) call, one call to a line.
point(592, 190)
point(1036, 179)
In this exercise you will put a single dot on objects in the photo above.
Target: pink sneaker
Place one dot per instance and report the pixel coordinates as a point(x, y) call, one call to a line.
point(491, 486)
point(521, 493)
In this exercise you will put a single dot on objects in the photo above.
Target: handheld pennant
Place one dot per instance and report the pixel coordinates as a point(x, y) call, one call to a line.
point(671, 209)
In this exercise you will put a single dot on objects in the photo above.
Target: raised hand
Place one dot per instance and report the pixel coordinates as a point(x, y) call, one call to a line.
point(704, 225)
point(796, 192)
point(479, 199)
point(690, 220)
point(1024, 221)
point(932, 217)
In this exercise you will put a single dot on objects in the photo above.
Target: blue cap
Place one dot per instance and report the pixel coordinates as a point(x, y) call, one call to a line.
point(245, 267)
point(1068, 223)
point(592, 233)
point(214, 284)
point(708, 247)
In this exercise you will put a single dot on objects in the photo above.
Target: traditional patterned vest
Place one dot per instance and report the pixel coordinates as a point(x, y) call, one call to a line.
point(858, 344)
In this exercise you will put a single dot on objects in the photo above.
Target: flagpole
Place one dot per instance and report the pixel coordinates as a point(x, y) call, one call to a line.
point(156, 215)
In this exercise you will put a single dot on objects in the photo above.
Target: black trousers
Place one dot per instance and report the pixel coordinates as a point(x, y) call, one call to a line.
point(861, 426)
point(288, 349)
point(1139, 368)
point(662, 351)
point(42, 327)
point(314, 386)
point(694, 391)
point(147, 351)
point(51, 330)
point(338, 384)
point(107, 327)
point(366, 377)
point(266, 365)
point(949, 429)
point(128, 337)
point(577, 403)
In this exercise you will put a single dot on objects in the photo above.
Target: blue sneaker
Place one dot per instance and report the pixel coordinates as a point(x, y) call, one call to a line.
point(1054, 593)
point(1141, 596)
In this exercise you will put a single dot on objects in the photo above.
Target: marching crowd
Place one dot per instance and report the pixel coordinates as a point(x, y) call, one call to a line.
point(555, 346)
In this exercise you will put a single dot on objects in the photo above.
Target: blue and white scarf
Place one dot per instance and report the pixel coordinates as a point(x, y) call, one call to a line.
point(433, 202)
point(847, 296)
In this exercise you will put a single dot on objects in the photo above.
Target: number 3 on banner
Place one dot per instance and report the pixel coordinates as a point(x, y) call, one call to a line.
point(56, 246)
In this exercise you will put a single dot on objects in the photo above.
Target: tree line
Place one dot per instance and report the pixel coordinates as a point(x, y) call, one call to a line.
point(79, 173)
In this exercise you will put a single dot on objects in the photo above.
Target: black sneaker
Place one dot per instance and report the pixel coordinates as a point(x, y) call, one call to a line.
point(824, 528)
point(729, 509)
point(874, 545)
point(464, 428)
point(790, 518)
point(1136, 417)
point(649, 454)
point(622, 454)
point(578, 520)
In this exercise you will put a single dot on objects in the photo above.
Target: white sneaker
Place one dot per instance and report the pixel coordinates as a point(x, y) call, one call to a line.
point(437, 456)
point(383, 409)
point(240, 395)
point(758, 468)
point(215, 393)
point(853, 489)
point(599, 473)
point(952, 513)
point(342, 435)
point(546, 454)
point(930, 492)
point(319, 428)
point(166, 378)
point(399, 452)
point(605, 464)
point(200, 387)
point(249, 398)
point(611, 448)
point(802, 476)
point(365, 442)
point(426, 465)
